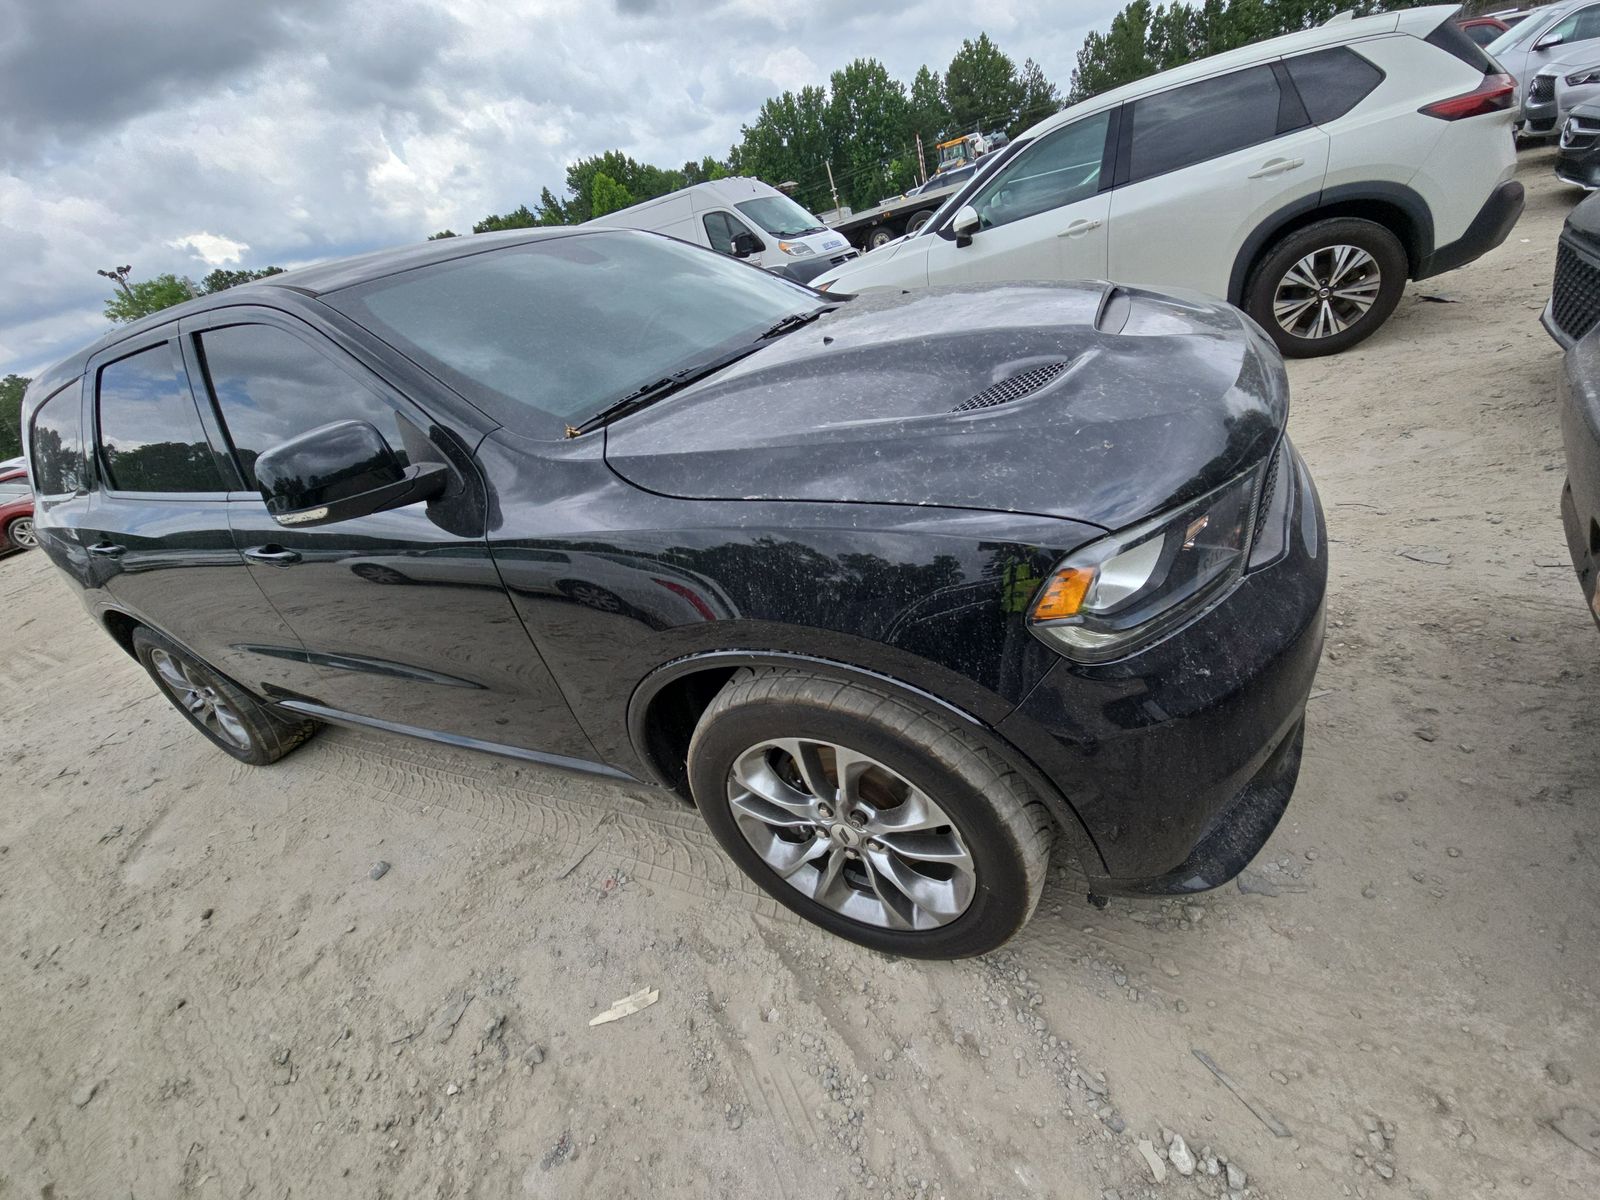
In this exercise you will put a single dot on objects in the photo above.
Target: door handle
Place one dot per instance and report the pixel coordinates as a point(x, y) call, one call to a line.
point(108, 550)
point(1078, 228)
point(1277, 166)
point(276, 555)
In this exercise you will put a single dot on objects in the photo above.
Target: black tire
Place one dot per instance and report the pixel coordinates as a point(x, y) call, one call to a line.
point(918, 221)
point(1383, 248)
point(263, 735)
point(881, 236)
point(1006, 830)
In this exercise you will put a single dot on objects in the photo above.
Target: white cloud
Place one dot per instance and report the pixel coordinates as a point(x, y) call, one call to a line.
point(211, 249)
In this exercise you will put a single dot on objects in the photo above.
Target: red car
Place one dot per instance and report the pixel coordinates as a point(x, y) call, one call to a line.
point(16, 509)
point(1484, 30)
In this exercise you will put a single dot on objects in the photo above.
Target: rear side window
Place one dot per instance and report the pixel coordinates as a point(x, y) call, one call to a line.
point(10, 489)
point(1203, 120)
point(150, 434)
point(57, 444)
point(1332, 82)
point(270, 386)
point(1452, 39)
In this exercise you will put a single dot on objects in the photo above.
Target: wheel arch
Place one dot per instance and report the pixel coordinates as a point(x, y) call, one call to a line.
point(1394, 206)
point(121, 626)
point(667, 705)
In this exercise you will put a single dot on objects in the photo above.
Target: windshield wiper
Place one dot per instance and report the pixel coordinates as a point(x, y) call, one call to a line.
point(794, 321)
point(651, 392)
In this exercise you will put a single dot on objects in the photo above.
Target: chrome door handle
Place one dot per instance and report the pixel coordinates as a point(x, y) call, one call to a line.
point(107, 550)
point(1078, 228)
point(276, 555)
point(1277, 166)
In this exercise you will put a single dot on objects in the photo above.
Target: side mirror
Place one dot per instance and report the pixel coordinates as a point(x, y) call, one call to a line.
point(965, 224)
point(1548, 41)
point(339, 471)
point(745, 244)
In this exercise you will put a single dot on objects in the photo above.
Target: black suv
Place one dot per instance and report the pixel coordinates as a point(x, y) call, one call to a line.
point(896, 590)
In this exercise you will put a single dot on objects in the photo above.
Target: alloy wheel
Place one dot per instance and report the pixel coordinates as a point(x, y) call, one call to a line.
point(22, 533)
point(200, 697)
point(1327, 291)
point(851, 833)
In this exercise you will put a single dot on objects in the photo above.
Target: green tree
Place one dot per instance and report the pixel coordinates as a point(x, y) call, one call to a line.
point(518, 218)
point(551, 210)
point(443, 233)
point(606, 195)
point(11, 389)
point(868, 121)
point(221, 280)
point(790, 141)
point(135, 300)
point(981, 87)
point(1040, 97)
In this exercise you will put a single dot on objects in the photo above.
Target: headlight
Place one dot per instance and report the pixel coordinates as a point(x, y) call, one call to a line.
point(1124, 590)
point(1583, 77)
point(797, 249)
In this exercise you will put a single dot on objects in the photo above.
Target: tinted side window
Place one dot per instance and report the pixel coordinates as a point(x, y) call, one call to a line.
point(58, 445)
point(10, 489)
point(1060, 168)
point(150, 434)
point(1203, 120)
point(1450, 38)
point(270, 386)
point(719, 228)
point(1332, 82)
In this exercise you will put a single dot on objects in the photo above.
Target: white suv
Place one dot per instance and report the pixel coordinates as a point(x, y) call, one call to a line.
point(1305, 179)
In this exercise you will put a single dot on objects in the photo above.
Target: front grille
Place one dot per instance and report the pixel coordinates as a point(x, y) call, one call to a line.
point(1024, 383)
point(1542, 89)
point(1575, 295)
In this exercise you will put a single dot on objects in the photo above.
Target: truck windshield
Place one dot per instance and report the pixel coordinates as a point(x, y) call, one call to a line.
point(780, 216)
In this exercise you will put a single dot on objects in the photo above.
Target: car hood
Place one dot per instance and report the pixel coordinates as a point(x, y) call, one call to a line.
point(1146, 400)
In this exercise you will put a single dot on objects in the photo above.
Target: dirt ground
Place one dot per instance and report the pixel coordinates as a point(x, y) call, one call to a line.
point(204, 992)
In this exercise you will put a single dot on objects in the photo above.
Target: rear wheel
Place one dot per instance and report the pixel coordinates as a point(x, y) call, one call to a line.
point(230, 717)
point(881, 236)
point(879, 819)
point(1322, 289)
point(20, 533)
point(918, 221)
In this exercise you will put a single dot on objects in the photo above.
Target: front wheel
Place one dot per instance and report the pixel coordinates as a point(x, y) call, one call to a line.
point(1324, 288)
point(877, 818)
point(230, 718)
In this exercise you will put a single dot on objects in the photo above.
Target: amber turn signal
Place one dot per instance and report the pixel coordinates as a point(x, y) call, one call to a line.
point(1062, 596)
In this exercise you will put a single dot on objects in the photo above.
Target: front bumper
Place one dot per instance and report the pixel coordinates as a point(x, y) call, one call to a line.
point(1580, 433)
point(1539, 119)
point(1181, 759)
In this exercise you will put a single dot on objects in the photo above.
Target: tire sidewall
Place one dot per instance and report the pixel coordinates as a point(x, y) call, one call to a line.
point(1000, 904)
point(11, 534)
point(1376, 240)
point(245, 707)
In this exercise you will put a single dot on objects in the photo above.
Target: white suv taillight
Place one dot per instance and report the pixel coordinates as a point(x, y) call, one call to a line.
point(1494, 94)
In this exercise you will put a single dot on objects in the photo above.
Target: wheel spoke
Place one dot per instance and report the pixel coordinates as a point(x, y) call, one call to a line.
point(899, 912)
point(1331, 322)
point(1302, 274)
point(940, 897)
point(848, 769)
point(754, 772)
point(788, 857)
point(915, 812)
point(770, 813)
point(813, 772)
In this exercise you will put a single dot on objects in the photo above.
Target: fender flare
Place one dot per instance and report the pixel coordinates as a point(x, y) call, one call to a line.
point(1407, 200)
point(1069, 824)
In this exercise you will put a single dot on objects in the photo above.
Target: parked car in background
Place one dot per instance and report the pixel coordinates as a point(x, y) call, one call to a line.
point(1573, 317)
point(1551, 34)
point(742, 218)
point(1578, 159)
point(1304, 178)
point(434, 491)
point(1556, 90)
point(16, 507)
point(1482, 30)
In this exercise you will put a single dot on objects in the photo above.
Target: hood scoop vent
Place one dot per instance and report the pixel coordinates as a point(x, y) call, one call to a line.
point(1015, 387)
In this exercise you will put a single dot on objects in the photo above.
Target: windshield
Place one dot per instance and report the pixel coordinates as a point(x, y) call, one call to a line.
point(981, 170)
point(542, 334)
point(1524, 31)
point(779, 216)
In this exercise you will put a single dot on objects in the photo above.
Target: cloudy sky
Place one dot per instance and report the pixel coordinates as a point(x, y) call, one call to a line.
point(179, 135)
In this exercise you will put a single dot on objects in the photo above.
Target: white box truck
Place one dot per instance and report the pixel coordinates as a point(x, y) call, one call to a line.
point(746, 219)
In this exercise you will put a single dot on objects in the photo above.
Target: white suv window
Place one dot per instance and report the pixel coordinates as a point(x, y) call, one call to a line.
point(1059, 168)
point(1203, 120)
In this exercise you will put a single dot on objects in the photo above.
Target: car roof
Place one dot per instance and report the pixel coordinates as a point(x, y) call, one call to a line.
point(1334, 33)
point(317, 280)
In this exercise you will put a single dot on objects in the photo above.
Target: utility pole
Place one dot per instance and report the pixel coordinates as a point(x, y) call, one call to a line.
point(119, 276)
point(831, 188)
point(922, 161)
